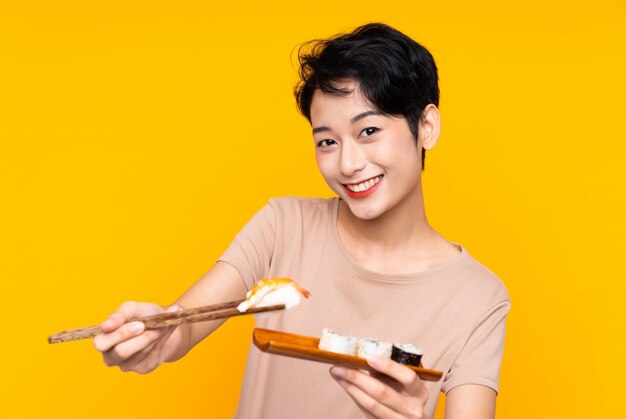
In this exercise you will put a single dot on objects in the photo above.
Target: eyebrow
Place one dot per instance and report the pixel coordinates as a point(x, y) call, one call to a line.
point(352, 120)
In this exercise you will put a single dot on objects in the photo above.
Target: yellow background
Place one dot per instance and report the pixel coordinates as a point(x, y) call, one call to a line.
point(137, 137)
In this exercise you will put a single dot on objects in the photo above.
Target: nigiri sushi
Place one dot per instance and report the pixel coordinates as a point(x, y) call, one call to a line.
point(274, 291)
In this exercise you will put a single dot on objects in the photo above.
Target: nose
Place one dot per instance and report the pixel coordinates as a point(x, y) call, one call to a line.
point(352, 158)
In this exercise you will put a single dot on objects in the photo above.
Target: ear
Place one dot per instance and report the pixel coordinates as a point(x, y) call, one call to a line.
point(430, 127)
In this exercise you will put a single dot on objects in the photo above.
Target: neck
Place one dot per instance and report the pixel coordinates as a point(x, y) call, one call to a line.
point(399, 242)
point(405, 224)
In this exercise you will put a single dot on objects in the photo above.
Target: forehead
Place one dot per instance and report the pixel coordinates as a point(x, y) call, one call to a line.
point(329, 107)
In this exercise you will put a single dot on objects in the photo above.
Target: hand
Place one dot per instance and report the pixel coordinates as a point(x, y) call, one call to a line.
point(391, 391)
point(129, 345)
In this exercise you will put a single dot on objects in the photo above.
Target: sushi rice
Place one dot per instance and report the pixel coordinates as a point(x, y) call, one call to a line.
point(332, 341)
point(373, 347)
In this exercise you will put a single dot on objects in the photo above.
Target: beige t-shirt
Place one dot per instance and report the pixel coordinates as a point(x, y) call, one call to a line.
point(455, 312)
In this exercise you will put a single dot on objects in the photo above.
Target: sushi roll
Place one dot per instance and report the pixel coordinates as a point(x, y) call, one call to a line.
point(406, 354)
point(274, 291)
point(332, 341)
point(371, 347)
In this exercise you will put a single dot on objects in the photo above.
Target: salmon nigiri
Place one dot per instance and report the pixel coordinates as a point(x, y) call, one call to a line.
point(274, 291)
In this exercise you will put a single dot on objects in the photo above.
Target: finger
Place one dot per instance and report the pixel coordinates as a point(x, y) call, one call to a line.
point(124, 313)
point(370, 406)
point(398, 372)
point(106, 341)
point(372, 387)
point(139, 361)
point(391, 382)
point(114, 321)
point(126, 349)
point(147, 358)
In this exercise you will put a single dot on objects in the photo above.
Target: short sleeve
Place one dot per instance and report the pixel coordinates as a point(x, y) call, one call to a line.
point(479, 360)
point(250, 253)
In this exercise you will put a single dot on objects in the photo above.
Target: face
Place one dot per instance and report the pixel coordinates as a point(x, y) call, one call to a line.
point(369, 159)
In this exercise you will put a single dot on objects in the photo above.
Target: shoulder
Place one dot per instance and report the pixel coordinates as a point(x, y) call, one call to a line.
point(298, 201)
point(302, 207)
point(479, 283)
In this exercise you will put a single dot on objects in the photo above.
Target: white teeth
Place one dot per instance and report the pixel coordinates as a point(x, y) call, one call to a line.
point(363, 186)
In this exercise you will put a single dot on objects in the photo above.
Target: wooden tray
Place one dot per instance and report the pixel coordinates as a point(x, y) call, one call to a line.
point(305, 347)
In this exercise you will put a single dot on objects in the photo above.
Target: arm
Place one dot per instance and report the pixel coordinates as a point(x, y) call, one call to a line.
point(471, 401)
point(132, 348)
point(221, 283)
point(471, 383)
point(142, 351)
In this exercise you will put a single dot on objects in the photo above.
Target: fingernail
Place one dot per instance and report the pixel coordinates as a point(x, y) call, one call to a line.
point(173, 308)
point(136, 327)
point(338, 372)
point(374, 361)
point(107, 323)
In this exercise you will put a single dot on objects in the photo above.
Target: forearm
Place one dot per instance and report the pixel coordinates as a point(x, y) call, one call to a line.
point(186, 336)
point(222, 283)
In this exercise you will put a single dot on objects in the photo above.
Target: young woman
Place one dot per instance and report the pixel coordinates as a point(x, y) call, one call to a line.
point(374, 265)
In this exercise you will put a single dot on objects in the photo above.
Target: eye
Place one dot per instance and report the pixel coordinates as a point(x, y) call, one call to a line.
point(368, 131)
point(326, 143)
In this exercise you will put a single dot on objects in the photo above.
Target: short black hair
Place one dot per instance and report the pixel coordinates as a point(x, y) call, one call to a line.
point(395, 74)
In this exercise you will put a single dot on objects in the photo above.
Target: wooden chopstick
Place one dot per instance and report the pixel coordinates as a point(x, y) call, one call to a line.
point(158, 321)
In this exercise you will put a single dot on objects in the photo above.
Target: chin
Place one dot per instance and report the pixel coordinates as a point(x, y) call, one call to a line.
point(364, 212)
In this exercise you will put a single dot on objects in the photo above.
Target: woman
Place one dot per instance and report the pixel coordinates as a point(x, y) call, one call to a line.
point(374, 265)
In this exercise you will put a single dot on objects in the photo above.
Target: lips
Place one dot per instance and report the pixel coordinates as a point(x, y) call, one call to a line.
point(363, 189)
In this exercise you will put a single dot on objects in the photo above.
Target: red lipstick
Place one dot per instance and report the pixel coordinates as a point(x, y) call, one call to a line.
point(365, 193)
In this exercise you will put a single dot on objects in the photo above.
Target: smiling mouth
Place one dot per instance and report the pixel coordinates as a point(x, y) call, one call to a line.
point(363, 186)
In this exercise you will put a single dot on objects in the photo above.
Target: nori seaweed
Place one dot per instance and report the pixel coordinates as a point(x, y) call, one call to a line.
point(403, 357)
